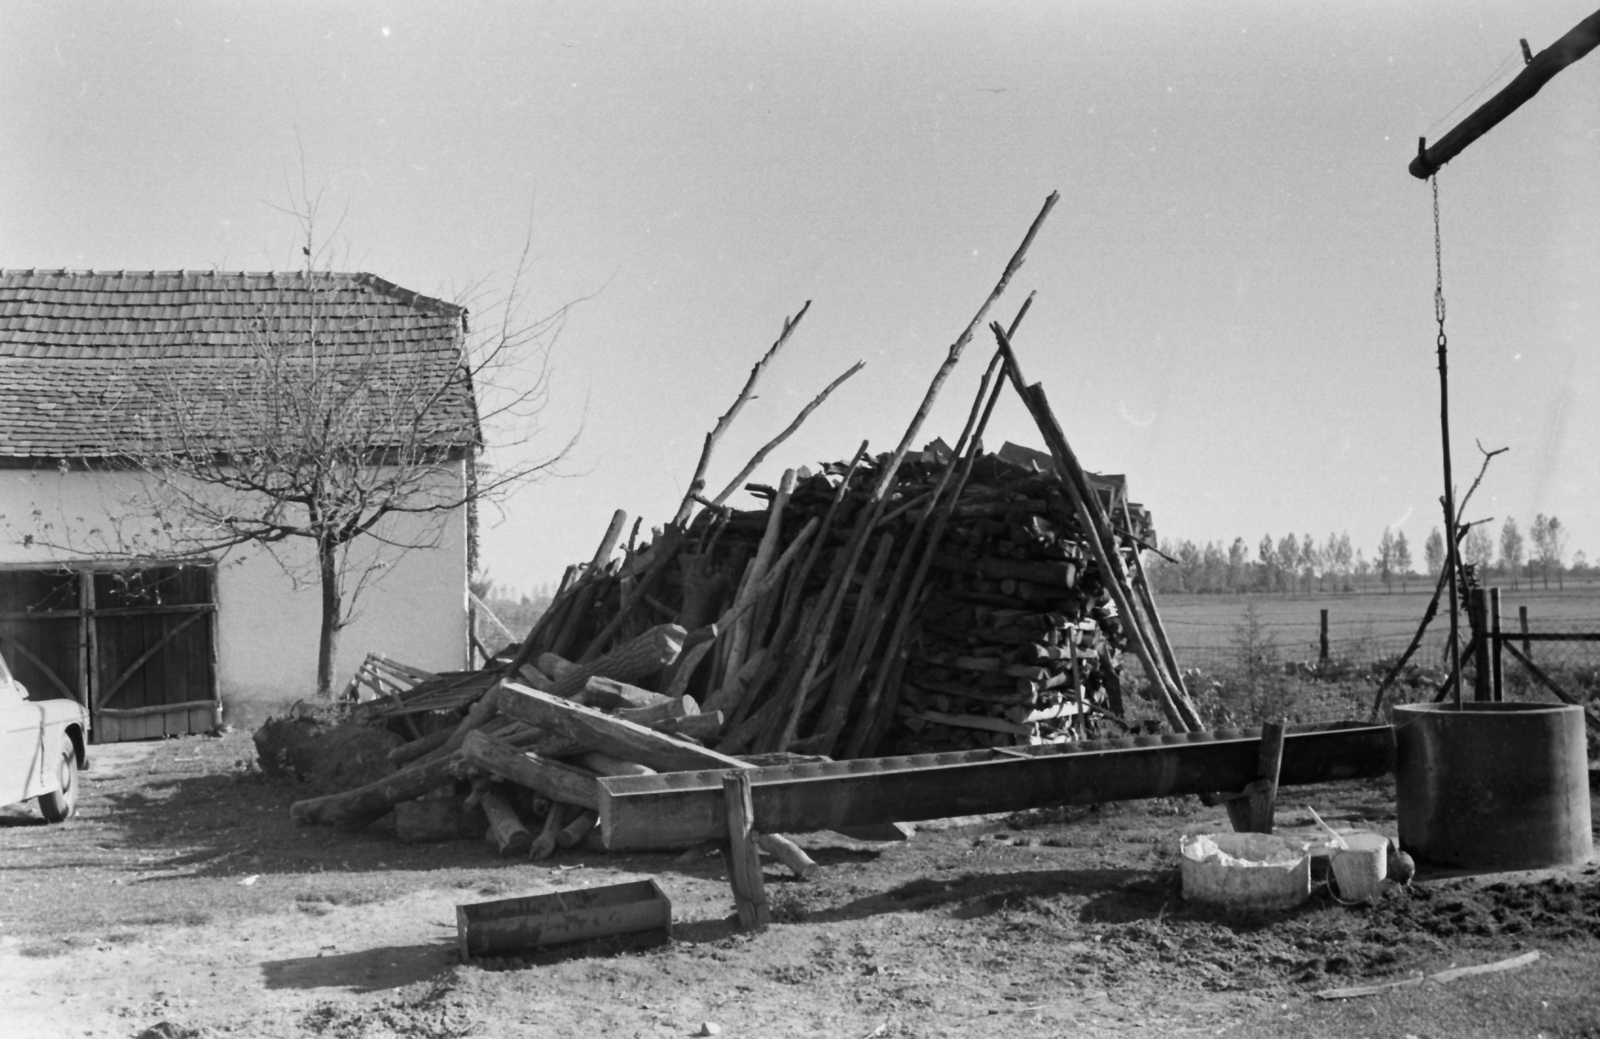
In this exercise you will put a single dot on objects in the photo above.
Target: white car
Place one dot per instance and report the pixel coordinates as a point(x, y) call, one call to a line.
point(43, 744)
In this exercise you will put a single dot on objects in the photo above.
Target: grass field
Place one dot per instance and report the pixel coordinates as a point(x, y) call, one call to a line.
point(1244, 648)
point(1204, 624)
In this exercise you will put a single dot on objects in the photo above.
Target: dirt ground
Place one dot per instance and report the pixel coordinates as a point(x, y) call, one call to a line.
point(183, 903)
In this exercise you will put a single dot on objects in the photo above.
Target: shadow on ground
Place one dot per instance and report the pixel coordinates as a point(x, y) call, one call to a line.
point(369, 970)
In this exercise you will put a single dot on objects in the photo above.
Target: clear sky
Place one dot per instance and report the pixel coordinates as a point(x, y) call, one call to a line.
point(1234, 292)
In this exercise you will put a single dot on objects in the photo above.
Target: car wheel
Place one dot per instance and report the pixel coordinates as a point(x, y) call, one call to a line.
point(58, 805)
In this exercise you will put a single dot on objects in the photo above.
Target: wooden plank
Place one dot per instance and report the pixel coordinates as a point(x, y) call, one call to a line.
point(160, 708)
point(686, 807)
point(607, 734)
point(1440, 978)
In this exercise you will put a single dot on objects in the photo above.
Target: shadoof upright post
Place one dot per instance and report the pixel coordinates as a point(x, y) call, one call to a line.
point(1322, 640)
point(1452, 550)
point(1522, 624)
point(1497, 661)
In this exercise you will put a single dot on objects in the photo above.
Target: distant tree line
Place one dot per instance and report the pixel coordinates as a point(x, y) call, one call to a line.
point(1304, 565)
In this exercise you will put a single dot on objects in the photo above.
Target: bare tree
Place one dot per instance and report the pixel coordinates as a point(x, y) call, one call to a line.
point(1477, 548)
point(1556, 538)
point(1433, 552)
point(347, 416)
point(1402, 559)
point(1543, 551)
point(1384, 560)
point(1511, 549)
point(1289, 560)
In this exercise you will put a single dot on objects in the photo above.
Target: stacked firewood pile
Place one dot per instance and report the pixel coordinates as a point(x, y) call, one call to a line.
point(1011, 640)
point(904, 602)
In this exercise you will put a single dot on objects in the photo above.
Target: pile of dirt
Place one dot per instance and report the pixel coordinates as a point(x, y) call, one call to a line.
point(327, 753)
point(1148, 921)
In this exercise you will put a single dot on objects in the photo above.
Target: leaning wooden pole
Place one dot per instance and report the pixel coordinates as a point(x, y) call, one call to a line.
point(785, 732)
point(1541, 68)
point(1096, 527)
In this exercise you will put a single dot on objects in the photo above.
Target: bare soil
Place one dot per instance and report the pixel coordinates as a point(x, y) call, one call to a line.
point(183, 902)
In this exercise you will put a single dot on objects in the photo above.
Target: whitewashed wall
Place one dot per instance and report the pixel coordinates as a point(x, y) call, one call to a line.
point(267, 627)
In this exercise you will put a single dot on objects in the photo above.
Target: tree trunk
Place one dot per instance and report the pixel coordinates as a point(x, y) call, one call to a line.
point(328, 641)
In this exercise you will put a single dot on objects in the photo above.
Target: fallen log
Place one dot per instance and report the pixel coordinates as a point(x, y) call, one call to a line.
point(606, 765)
point(789, 853)
point(544, 845)
point(662, 714)
point(553, 779)
point(610, 694)
point(610, 735)
point(364, 804)
point(506, 830)
point(577, 829)
point(632, 661)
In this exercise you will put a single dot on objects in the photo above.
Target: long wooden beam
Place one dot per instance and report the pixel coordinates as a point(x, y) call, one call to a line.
point(685, 807)
point(1580, 40)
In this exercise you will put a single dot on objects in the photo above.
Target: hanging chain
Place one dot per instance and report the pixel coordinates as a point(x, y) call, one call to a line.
point(1438, 264)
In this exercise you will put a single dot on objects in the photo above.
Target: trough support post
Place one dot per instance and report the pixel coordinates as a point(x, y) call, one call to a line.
point(743, 857)
point(1322, 639)
point(1477, 604)
point(1252, 809)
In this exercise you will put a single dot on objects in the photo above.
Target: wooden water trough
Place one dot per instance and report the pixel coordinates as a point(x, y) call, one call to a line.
point(685, 807)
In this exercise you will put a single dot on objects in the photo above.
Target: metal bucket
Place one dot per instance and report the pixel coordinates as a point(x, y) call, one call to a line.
point(1493, 785)
point(1360, 866)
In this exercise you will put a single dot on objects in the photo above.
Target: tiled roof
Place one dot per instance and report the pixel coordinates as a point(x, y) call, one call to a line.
point(93, 362)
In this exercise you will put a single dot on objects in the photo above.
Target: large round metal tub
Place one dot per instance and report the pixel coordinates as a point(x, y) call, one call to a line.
point(1493, 785)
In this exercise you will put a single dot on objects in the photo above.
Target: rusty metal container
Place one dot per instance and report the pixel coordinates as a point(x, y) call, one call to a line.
point(519, 924)
point(1494, 786)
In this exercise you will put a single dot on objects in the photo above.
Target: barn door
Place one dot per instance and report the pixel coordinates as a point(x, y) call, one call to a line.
point(152, 638)
point(43, 632)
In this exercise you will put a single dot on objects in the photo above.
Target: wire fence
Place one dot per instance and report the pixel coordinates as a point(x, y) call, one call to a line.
point(1255, 668)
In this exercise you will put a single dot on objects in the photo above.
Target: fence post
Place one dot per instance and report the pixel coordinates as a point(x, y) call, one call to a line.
point(1322, 641)
point(1480, 628)
point(1496, 665)
point(1522, 621)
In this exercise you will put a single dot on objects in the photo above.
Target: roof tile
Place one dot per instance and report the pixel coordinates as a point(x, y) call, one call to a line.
point(86, 356)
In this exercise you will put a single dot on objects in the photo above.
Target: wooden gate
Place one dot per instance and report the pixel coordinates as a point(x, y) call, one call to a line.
point(138, 646)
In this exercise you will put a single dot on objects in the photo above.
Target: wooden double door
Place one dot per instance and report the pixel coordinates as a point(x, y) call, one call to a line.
point(136, 646)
